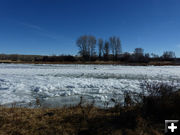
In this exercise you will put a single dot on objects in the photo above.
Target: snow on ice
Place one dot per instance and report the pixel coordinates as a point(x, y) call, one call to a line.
point(23, 83)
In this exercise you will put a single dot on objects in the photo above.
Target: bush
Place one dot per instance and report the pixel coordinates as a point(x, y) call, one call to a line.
point(160, 101)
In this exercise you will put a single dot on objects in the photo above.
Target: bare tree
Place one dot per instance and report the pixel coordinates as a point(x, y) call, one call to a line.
point(112, 44)
point(168, 55)
point(118, 48)
point(139, 51)
point(91, 45)
point(86, 45)
point(100, 45)
point(115, 44)
point(106, 50)
point(82, 43)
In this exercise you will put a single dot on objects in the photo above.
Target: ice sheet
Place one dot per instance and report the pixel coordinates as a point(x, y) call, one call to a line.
point(26, 82)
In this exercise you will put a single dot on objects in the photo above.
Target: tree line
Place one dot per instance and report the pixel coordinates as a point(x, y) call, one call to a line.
point(88, 51)
point(92, 49)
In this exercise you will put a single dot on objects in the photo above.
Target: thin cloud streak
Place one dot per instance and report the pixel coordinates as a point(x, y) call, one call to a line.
point(39, 30)
point(31, 26)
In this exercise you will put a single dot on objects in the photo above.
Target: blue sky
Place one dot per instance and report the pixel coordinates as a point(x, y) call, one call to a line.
point(52, 26)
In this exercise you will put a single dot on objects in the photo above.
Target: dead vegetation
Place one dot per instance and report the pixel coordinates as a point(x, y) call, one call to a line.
point(72, 121)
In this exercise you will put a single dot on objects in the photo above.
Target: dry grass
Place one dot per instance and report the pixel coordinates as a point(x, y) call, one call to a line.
point(72, 121)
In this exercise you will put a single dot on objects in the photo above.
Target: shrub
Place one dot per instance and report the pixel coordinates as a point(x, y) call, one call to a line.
point(160, 101)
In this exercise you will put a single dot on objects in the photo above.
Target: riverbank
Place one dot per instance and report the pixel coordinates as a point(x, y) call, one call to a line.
point(156, 63)
point(76, 120)
point(139, 115)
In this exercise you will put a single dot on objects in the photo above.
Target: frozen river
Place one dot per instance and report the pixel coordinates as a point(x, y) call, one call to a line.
point(64, 84)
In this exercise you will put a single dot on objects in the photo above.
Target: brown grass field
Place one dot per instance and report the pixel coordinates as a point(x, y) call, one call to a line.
point(74, 121)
